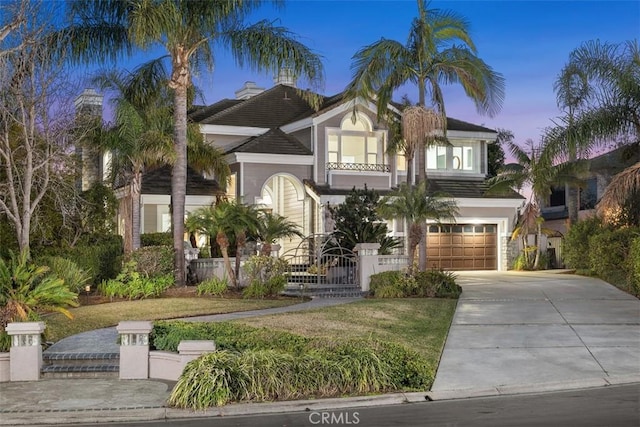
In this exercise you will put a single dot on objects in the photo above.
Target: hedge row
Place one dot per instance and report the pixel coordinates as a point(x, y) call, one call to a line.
point(260, 364)
point(430, 283)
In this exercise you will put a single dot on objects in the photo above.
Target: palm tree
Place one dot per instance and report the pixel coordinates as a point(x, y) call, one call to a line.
point(141, 137)
point(222, 221)
point(534, 169)
point(27, 289)
point(571, 87)
point(272, 227)
point(439, 50)
point(415, 205)
point(621, 198)
point(188, 31)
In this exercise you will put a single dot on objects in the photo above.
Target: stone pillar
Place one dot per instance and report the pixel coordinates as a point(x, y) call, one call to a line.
point(134, 349)
point(275, 250)
point(367, 262)
point(192, 349)
point(26, 351)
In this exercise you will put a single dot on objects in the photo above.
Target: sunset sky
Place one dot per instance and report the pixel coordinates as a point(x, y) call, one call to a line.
point(527, 41)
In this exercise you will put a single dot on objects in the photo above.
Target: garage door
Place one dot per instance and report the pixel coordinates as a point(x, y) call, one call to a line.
point(462, 247)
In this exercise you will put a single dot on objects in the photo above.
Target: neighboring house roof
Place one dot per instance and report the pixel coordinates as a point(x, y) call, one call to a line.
point(455, 124)
point(158, 181)
point(274, 141)
point(616, 160)
point(458, 188)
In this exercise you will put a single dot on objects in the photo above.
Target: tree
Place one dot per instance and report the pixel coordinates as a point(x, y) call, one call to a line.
point(439, 50)
point(141, 137)
point(620, 202)
point(599, 90)
point(188, 31)
point(495, 153)
point(272, 227)
point(535, 169)
point(415, 205)
point(358, 221)
point(35, 118)
point(223, 220)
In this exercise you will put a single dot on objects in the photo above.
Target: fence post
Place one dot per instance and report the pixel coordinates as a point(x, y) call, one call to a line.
point(134, 349)
point(367, 262)
point(26, 352)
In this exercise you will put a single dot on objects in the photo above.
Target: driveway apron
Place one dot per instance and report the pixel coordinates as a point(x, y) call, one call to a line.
point(516, 329)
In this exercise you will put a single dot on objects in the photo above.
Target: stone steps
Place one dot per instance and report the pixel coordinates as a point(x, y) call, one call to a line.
point(80, 365)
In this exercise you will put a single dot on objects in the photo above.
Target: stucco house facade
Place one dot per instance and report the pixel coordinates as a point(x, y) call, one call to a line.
point(294, 160)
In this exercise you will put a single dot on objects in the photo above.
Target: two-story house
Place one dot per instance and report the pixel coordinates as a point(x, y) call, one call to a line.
point(294, 160)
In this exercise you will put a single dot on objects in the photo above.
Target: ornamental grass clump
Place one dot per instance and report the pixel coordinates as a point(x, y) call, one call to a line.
point(263, 365)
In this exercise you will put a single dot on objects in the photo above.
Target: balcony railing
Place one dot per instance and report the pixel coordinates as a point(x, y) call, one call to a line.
point(363, 167)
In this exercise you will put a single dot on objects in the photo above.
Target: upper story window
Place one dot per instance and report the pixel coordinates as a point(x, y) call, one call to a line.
point(354, 143)
point(459, 157)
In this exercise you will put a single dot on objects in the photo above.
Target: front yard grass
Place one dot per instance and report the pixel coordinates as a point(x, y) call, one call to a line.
point(90, 317)
point(421, 324)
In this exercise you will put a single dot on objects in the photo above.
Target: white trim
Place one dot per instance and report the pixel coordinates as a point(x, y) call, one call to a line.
point(296, 126)
point(165, 199)
point(487, 202)
point(277, 159)
point(232, 130)
point(241, 189)
point(463, 134)
point(314, 135)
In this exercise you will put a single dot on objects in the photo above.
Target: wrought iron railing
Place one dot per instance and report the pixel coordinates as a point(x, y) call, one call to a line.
point(368, 167)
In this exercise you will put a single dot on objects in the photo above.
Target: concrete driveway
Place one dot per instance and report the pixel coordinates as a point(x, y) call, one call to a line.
point(519, 332)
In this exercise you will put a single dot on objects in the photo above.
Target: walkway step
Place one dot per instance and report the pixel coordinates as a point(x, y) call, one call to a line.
point(80, 365)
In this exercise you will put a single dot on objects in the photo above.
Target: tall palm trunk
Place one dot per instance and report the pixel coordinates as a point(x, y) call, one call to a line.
point(241, 242)
point(179, 82)
point(572, 196)
point(136, 186)
point(223, 243)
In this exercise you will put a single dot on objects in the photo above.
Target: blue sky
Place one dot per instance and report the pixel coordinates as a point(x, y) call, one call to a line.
point(527, 41)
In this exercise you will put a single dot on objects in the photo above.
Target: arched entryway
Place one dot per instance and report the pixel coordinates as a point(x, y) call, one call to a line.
point(283, 194)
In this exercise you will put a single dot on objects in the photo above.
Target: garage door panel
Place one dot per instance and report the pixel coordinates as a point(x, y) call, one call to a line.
point(462, 247)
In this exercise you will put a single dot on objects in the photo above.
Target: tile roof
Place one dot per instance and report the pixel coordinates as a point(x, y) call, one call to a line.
point(158, 181)
point(274, 141)
point(270, 109)
point(466, 189)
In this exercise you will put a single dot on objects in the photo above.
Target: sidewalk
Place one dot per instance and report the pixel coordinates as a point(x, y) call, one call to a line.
point(512, 333)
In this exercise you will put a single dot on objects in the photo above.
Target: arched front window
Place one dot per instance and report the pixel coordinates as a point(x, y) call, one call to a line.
point(355, 145)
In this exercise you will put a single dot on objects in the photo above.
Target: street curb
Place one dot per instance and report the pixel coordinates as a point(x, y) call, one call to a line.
point(533, 388)
point(161, 413)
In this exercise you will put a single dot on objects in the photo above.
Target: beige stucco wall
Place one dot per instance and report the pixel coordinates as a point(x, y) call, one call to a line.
point(347, 180)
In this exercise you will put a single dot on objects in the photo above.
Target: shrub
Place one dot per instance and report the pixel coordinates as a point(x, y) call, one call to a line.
point(156, 239)
point(133, 285)
point(608, 252)
point(74, 277)
point(325, 368)
point(437, 283)
point(98, 255)
point(265, 275)
point(430, 283)
point(634, 267)
point(153, 261)
point(214, 286)
point(575, 245)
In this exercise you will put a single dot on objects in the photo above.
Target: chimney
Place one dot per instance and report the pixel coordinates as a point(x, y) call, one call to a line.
point(88, 109)
point(89, 102)
point(248, 90)
point(285, 77)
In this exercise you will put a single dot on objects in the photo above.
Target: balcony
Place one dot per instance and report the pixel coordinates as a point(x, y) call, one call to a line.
point(349, 175)
point(358, 167)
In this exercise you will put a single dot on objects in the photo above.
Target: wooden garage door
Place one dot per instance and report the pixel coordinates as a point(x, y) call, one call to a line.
point(462, 247)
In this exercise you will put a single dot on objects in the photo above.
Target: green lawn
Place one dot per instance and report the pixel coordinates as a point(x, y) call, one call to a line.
point(91, 317)
point(418, 323)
